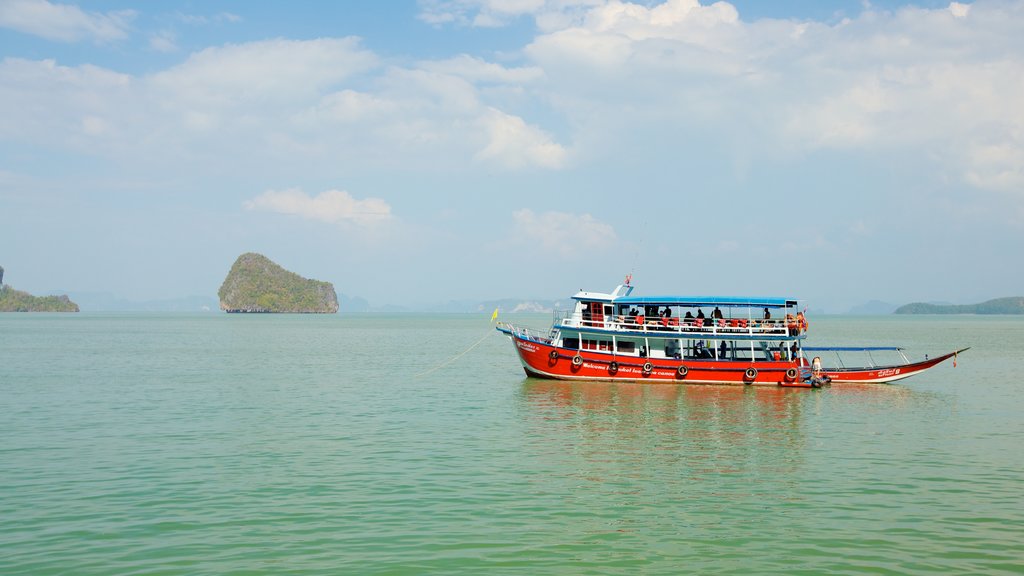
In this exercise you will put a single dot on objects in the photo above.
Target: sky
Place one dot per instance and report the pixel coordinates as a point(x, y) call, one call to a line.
point(419, 152)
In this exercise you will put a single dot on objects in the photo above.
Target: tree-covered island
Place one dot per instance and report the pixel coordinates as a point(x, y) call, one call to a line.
point(12, 300)
point(1011, 305)
point(257, 284)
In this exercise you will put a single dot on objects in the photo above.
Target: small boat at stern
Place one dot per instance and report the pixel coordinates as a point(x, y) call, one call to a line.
point(696, 340)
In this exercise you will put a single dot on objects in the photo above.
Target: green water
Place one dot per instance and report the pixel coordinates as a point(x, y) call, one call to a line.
point(234, 444)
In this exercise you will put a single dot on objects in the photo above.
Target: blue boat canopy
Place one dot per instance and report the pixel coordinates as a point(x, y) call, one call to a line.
point(747, 302)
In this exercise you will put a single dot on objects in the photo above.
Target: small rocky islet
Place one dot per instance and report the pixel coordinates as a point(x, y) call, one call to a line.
point(256, 284)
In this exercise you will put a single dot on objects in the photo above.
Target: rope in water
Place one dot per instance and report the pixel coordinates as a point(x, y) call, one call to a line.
point(457, 356)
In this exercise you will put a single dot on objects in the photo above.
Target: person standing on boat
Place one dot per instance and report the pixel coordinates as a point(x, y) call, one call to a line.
point(767, 314)
point(717, 314)
point(723, 350)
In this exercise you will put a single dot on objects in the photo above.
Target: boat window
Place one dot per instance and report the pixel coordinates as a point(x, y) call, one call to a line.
point(597, 344)
point(626, 346)
point(672, 349)
point(571, 343)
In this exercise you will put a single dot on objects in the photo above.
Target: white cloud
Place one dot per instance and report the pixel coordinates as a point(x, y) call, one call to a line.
point(64, 22)
point(959, 10)
point(515, 144)
point(200, 20)
point(164, 41)
point(258, 73)
point(479, 70)
point(997, 167)
point(332, 206)
point(940, 83)
point(567, 235)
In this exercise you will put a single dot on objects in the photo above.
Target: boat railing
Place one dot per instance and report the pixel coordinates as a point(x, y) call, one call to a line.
point(528, 334)
point(700, 326)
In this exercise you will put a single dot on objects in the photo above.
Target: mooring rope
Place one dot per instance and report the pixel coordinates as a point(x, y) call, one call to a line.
point(457, 356)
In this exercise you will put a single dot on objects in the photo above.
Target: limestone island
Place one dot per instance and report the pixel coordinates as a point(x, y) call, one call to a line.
point(12, 300)
point(1011, 305)
point(257, 284)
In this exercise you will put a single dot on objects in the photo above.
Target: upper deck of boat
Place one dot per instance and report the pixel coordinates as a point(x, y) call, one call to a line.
point(735, 318)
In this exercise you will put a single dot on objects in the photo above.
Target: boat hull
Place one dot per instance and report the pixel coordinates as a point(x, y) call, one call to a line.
point(886, 374)
point(544, 360)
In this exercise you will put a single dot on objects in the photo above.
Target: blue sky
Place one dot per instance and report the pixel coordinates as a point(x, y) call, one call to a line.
point(416, 152)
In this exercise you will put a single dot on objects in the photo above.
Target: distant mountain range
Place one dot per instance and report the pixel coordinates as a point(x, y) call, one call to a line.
point(356, 305)
point(1011, 305)
point(106, 302)
point(873, 308)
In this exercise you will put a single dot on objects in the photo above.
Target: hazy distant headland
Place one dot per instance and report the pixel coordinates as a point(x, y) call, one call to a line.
point(257, 284)
point(12, 300)
point(1011, 305)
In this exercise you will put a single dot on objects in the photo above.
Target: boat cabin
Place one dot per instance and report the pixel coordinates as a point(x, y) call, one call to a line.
point(682, 327)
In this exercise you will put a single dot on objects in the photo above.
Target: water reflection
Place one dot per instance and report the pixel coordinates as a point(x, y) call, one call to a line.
point(618, 431)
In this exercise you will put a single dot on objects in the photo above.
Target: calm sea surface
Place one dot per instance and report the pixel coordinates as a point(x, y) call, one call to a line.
point(234, 444)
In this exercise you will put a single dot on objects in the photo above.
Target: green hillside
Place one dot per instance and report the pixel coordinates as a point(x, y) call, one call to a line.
point(12, 300)
point(257, 284)
point(1011, 305)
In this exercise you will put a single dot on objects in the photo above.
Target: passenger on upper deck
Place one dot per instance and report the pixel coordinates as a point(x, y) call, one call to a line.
point(688, 316)
point(700, 313)
point(767, 314)
point(717, 313)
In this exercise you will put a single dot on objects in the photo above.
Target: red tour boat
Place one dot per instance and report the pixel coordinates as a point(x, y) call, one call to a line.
point(757, 341)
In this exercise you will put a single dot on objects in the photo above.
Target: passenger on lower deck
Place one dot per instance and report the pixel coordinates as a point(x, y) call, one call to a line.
point(723, 350)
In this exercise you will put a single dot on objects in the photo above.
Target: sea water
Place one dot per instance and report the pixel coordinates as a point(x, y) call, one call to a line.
point(414, 444)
